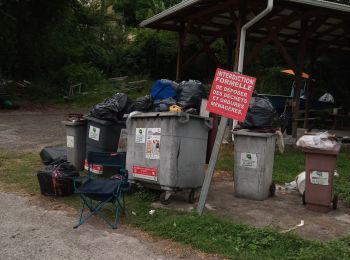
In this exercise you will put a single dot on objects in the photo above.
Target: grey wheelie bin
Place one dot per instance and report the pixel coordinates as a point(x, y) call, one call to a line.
point(253, 164)
point(102, 136)
point(166, 151)
point(76, 140)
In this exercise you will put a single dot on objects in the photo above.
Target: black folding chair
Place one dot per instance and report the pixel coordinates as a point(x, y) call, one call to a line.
point(97, 193)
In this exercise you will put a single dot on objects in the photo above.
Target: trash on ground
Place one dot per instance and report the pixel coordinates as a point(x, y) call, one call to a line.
point(49, 155)
point(290, 185)
point(302, 223)
point(152, 211)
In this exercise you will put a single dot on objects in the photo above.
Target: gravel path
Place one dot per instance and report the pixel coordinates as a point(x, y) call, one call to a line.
point(32, 232)
point(33, 130)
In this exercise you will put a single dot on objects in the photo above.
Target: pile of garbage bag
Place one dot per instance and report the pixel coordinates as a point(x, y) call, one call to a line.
point(260, 114)
point(165, 94)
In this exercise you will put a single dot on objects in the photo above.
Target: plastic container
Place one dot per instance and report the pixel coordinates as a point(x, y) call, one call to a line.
point(254, 157)
point(319, 169)
point(103, 135)
point(166, 151)
point(76, 142)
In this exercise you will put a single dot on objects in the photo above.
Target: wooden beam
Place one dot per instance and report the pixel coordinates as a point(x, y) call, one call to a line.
point(298, 74)
point(273, 34)
point(197, 53)
point(180, 49)
point(239, 24)
point(209, 50)
point(283, 51)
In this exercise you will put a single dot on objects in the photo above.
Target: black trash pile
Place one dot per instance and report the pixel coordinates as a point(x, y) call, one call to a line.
point(261, 114)
point(185, 96)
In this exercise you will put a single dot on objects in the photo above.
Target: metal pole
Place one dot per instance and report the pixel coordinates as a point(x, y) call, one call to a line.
point(223, 121)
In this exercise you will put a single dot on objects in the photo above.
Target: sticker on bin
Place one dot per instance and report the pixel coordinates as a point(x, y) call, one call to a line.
point(249, 160)
point(96, 169)
point(140, 135)
point(94, 133)
point(145, 173)
point(70, 141)
point(319, 178)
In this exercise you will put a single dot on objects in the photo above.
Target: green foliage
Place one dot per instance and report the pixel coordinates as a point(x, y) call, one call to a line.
point(151, 53)
point(134, 11)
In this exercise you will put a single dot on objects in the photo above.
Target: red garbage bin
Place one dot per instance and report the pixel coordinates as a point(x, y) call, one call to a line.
point(319, 168)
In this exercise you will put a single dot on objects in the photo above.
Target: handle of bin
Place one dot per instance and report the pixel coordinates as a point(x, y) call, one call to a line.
point(130, 116)
point(184, 118)
point(209, 123)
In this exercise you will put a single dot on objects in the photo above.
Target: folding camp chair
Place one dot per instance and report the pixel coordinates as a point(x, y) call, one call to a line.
point(97, 193)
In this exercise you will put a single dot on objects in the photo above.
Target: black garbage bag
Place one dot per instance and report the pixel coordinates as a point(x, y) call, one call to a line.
point(190, 94)
point(141, 104)
point(260, 114)
point(49, 155)
point(57, 179)
point(111, 109)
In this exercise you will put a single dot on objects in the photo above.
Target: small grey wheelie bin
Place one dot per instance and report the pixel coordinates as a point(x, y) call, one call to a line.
point(253, 159)
point(167, 151)
point(76, 141)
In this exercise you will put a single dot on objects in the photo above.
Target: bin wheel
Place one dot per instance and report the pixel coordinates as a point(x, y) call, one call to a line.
point(165, 198)
point(272, 190)
point(335, 201)
point(191, 196)
point(303, 198)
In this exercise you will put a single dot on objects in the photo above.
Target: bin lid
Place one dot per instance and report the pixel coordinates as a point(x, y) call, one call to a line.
point(246, 132)
point(165, 114)
point(74, 122)
point(103, 122)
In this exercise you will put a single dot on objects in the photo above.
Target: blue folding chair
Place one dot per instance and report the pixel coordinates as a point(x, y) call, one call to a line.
point(97, 193)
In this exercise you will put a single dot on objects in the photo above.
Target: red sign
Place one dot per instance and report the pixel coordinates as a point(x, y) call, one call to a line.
point(144, 173)
point(230, 94)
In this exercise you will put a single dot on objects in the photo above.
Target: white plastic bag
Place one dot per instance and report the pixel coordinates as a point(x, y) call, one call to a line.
point(319, 141)
point(327, 98)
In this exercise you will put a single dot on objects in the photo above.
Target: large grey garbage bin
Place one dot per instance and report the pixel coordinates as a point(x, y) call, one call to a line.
point(167, 151)
point(253, 157)
point(76, 142)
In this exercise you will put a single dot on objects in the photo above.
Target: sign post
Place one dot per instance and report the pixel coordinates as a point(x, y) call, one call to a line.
point(230, 96)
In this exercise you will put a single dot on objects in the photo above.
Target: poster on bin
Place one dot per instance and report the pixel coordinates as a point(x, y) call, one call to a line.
point(230, 94)
point(153, 143)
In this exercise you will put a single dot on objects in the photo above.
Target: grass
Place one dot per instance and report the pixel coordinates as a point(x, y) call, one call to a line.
point(209, 233)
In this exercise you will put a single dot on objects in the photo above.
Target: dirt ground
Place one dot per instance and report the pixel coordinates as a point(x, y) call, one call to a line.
point(21, 130)
point(281, 212)
point(34, 129)
point(32, 231)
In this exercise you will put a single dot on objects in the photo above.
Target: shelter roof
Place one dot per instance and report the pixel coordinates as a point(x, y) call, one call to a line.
point(328, 22)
